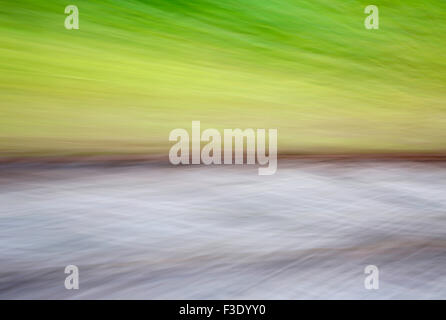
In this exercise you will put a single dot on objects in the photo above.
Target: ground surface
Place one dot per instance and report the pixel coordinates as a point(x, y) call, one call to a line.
point(150, 231)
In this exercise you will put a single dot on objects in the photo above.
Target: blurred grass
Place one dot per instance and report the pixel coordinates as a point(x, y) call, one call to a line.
point(137, 69)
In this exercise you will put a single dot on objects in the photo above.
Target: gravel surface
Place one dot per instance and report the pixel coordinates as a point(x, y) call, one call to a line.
point(223, 232)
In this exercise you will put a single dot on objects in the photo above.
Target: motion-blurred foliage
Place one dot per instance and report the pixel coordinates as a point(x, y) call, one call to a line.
point(137, 69)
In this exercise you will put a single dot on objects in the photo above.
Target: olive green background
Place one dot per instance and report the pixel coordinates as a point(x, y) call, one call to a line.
point(135, 70)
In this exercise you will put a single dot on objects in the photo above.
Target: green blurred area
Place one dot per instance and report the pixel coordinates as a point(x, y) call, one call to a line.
point(135, 70)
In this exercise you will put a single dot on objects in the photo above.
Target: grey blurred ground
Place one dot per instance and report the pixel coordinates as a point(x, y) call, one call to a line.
point(149, 231)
